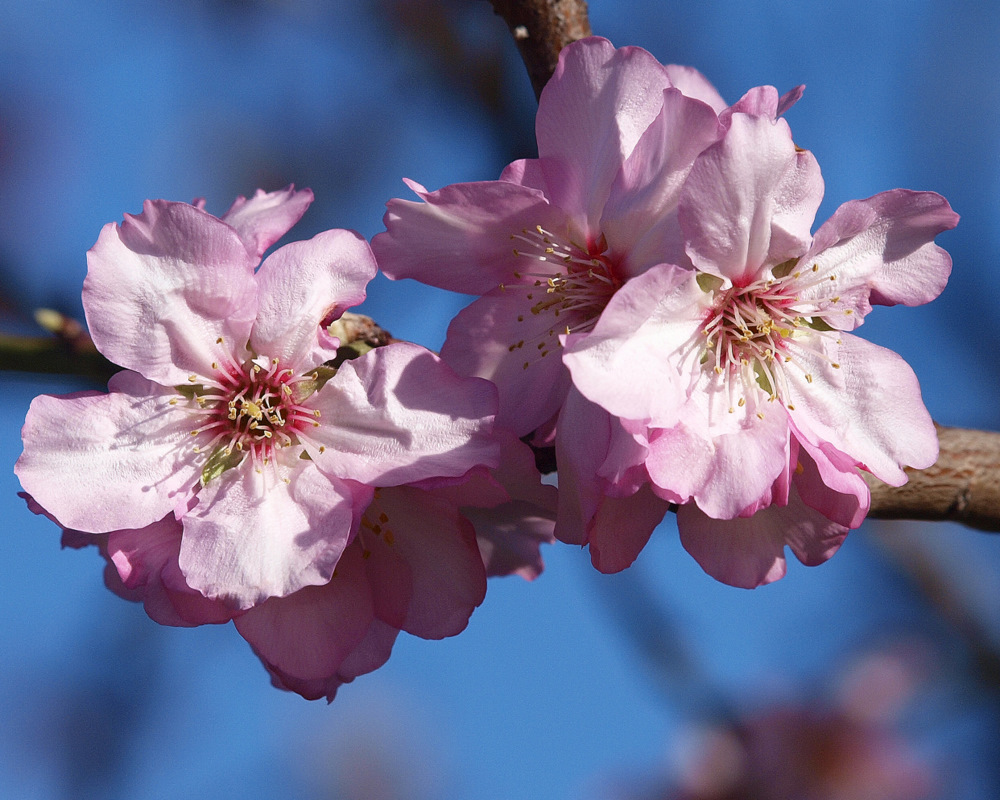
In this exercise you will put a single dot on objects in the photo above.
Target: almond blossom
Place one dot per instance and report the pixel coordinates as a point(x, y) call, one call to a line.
point(226, 415)
point(739, 379)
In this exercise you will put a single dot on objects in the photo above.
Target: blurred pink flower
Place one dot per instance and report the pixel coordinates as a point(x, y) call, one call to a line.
point(225, 415)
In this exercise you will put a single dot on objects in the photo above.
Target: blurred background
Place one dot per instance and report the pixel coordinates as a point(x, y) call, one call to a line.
point(873, 676)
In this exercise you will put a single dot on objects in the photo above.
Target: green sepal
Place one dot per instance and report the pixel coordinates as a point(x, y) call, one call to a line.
point(762, 380)
point(785, 267)
point(818, 324)
point(317, 380)
point(709, 282)
point(221, 459)
point(190, 390)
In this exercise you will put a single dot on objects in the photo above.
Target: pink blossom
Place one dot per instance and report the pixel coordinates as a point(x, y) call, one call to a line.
point(739, 376)
point(226, 417)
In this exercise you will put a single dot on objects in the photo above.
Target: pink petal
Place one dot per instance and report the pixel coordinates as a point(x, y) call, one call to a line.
point(266, 217)
point(509, 532)
point(494, 338)
point(164, 287)
point(438, 546)
point(104, 462)
point(750, 200)
point(621, 528)
point(398, 415)
point(829, 482)
point(870, 409)
point(251, 536)
point(303, 284)
point(582, 440)
point(307, 635)
point(888, 240)
point(146, 561)
point(631, 363)
point(748, 552)
point(693, 84)
point(729, 460)
point(590, 116)
point(763, 101)
point(459, 237)
point(370, 654)
point(639, 219)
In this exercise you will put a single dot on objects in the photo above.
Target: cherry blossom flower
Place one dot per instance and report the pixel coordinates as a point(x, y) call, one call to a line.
point(226, 416)
point(753, 403)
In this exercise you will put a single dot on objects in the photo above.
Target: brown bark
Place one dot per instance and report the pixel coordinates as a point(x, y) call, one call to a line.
point(541, 28)
point(963, 486)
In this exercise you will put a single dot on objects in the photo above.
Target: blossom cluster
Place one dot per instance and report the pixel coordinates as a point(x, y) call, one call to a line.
point(652, 306)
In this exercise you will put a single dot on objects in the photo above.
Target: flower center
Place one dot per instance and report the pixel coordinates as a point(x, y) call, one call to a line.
point(249, 412)
point(566, 288)
point(754, 334)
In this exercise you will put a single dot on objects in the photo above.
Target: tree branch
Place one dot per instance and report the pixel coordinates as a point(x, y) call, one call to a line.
point(541, 28)
point(963, 486)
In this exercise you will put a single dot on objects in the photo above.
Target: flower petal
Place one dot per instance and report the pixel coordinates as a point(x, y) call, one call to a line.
point(438, 547)
point(870, 408)
point(146, 561)
point(639, 218)
point(693, 84)
point(494, 338)
point(748, 552)
point(304, 284)
point(590, 116)
point(266, 217)
point(727, 471)
point(888, 241)
point(633, 361)
point(308, 635)
point(163, 288)
point(510, 531)
point(250, 536)
point(829, 482)
point(104, 462)
point(583, 437)
point(398, 414)
point(621, 528)
point(459, 237)
point(750, 200)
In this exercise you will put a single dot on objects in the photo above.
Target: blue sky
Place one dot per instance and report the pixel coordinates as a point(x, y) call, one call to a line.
point(106, 103)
